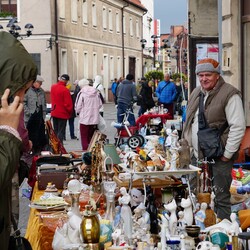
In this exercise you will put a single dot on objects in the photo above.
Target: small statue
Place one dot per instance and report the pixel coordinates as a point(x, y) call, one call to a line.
point(174, 163)
point(136, 198)
point(117, 219)
point(184, 154)
point(164, 230)
point(174, 140)
point(171, 207)
point(200, 216)
point(212, 200)
point(188, 210)
point(141, 223)
point(126, 214)
point(168, 138)
point(181, 223)
point(234, 228)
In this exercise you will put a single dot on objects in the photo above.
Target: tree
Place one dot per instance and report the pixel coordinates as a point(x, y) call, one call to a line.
point(154, 74)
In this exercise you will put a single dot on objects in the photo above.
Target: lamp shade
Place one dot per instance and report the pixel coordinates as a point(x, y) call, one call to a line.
point(110, 150)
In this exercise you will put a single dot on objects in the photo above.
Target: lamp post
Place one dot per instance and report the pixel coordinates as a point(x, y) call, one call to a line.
point(15, 29)
point(154, 37)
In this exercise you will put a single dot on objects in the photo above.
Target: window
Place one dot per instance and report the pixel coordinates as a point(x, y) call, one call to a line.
point(119, 67)
point(131, 26)
point(117, 22)
point(124, 24)
point(137, 29)
point(94, 19)
point(104, 18)
point(94, 64)
point(110, 21)
point(85, 65)
point(111, 63)
point(64, 62)
point(74, 11)
point(85, 12)
point(75, 65)
point(61, 9)
point(37, 59)
point(9, 7)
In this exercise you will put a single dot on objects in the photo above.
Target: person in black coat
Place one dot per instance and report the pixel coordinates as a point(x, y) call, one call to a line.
point(145, 97)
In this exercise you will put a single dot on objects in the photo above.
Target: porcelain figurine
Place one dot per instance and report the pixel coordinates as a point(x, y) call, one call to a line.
point(165, 234)
point(145, 217)
point(174, 162)
point(204, 245)
point(115, 237)
point(174, 140)
point(117, 219)
point(181, 223)
point(168, 138)
point(74, 223)
point(140, 226)
point(234, 228)
point(201, 215)
point(188, 210)
point(126, 213)
point(136, 197)
point(60, 238)
point(212, 200)
point(171, 207)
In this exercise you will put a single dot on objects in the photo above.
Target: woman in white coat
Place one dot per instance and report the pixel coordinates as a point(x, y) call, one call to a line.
point(87, 105)
point(98, 85)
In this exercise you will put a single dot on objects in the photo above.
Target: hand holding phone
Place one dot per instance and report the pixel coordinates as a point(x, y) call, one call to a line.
point(10, 112)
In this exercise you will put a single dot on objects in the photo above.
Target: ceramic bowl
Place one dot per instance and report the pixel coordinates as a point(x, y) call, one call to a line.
point(193, 231)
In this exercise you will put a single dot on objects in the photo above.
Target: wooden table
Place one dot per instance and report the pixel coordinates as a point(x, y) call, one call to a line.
point(39, 235)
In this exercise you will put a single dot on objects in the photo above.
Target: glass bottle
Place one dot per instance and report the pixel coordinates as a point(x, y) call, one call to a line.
point(109, 189)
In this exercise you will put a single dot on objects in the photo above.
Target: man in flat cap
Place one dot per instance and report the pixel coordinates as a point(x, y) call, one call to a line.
point(62, 106)
point(222, 105)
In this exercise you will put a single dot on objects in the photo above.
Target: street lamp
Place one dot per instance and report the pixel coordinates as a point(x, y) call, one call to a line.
point(154, 37)
point(15, 29)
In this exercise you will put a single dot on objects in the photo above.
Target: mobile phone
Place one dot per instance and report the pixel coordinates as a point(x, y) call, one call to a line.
point(10, 99)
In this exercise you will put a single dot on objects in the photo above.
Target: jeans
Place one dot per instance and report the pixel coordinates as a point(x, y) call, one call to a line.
point(60, 127)
point(72, 127)
point(121, 111)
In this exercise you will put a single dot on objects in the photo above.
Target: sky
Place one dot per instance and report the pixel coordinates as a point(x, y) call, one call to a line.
point(170, 12)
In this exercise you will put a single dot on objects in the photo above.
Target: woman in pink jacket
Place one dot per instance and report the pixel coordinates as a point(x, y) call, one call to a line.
point(87, 105)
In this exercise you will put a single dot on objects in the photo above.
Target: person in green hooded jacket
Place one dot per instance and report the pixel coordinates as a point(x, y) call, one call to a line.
point(17, 73)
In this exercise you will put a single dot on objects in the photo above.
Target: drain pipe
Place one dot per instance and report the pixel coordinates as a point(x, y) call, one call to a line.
point(56, 40)
point(123, 52)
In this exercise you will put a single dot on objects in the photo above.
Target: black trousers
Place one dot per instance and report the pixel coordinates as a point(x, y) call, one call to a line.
point(59, 127)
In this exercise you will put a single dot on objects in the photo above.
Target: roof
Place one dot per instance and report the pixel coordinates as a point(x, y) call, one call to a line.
point(136, 3)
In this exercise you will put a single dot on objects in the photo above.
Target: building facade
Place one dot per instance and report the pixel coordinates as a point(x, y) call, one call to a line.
point(83, 38)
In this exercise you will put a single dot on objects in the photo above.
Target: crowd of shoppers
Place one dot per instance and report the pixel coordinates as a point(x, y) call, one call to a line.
point(19, 113)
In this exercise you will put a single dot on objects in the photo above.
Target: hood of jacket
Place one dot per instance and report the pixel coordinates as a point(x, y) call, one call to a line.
point(16, 64)
point(89, 90)
point(97, 81)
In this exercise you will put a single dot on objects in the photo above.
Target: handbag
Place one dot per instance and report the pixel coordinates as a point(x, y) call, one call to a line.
point(209, 139)
point(16, 241)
